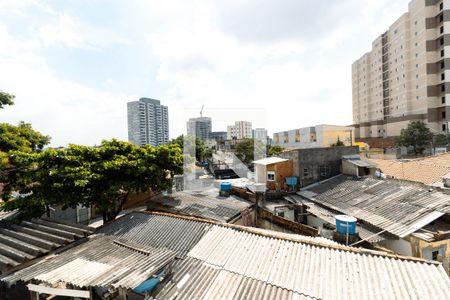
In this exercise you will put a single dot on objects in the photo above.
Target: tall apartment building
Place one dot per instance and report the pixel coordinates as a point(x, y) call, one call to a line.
point(199, 127)
point(240, 130)
point(259, 133)
point(148, 122)
point(405, 77)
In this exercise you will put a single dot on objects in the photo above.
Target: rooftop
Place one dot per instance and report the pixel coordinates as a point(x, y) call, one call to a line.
point(426, 170)
point(397, 207)
point(204, 204)
point(31, 239)
point(269, 161)
point(218, 259)
point(100, 262)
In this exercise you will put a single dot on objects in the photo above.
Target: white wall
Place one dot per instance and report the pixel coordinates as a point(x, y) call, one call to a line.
point(400, 246)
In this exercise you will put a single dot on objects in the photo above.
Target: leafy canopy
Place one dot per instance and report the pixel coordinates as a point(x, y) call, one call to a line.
point(21, 138)
point(416, 135)
point(6, 99)
point(102, 176)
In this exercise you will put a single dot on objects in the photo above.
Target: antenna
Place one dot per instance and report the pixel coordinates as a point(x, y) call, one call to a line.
point(201, 110)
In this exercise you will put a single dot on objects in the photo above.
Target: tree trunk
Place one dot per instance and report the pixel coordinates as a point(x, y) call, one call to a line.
point(105, 219)
point(122, 203)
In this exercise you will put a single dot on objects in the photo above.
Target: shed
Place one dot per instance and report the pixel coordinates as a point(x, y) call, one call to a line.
point(272, 171)
point(354, 165)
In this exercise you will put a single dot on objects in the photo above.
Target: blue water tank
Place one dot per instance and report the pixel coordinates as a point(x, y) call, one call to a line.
point(225, 186)
point(291, 181)
point(345, 224)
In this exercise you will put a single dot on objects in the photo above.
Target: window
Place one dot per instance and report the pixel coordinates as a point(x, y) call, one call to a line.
point(442, 76)
point(441, 6)
point(443, 100)
point(442, 65)
point(444, 128)
point(435, 254)
point(324, 171)
point(441, 30)
point(443, 115)
point(281, 214)
point(442, 53)
point(270, 176)
point(305, 172)
point(441, 41)
point(443, 88)
point(441, 18)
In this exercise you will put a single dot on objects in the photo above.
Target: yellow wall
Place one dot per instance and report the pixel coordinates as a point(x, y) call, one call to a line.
point(332, 135)
point(420, 247)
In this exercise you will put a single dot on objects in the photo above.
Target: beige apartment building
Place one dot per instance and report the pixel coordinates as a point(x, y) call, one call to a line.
point(406, 75)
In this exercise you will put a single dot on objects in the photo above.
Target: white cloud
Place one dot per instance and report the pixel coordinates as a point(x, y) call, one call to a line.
point(287, 59)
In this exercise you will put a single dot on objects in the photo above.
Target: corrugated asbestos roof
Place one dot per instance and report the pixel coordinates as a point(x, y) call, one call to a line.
point(310, 270)
point(327, 215)
point(196, 279)
point(100, 262)
point(157, 231)
point(235, 262)
point(31, 239)
point(357, 161)
point(398, 207)
point(7, 215)
point(205, 204)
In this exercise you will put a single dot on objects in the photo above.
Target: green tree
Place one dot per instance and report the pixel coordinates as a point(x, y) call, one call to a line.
point(274, 150)
point(201, 151)
point(440, 139)
point(338, 143)
point(416, 135)
point(21, 138)
point(101, 176)
point(6, 99)
point(244, 150)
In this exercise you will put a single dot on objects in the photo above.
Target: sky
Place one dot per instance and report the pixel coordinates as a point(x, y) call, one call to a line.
point(282, 64)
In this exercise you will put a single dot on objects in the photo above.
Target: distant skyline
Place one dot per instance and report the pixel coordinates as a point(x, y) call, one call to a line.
point(73, 65)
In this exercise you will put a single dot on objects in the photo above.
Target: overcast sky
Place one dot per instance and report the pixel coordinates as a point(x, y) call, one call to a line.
point(282, 64)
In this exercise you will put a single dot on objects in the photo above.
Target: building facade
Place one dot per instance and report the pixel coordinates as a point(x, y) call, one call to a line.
point(199, 127)
point(405, 77)
point(259, 133)
point(313, 137)
point(148, 122)
point(240, 130)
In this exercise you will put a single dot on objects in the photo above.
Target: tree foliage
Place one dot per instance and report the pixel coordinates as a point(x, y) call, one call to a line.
point(440, 139)
point(101, 176)
point(201, 151)
point(6, 99)
point(274, 150)
point(338, 143)
point(21, 138)
point(416, 135)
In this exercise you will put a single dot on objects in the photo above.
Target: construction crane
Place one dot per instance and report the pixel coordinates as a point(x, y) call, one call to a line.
point(201, 111)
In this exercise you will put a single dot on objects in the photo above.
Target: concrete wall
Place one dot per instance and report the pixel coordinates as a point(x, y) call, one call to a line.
point(312, 165)
point(399, 246)
point(423, 249)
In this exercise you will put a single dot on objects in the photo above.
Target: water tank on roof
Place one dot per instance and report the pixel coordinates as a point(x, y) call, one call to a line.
point(225, 188)
point(291, 181)
point(345, 224)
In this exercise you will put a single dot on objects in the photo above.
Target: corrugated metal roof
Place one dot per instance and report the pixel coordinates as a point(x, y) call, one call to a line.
point(31, 239)
point(100, 262)
point(398, 207)
point(196, 279)
point(7, 215)
point(269, 161)
point(157, 231)
point(204, 204)
point(314, 271)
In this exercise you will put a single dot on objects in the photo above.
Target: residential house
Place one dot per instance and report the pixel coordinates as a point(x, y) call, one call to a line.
point(407, 218)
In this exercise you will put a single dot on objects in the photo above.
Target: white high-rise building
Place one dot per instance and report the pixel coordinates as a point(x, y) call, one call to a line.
point(199, 127)
point(240, 130)
point(148, 122)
